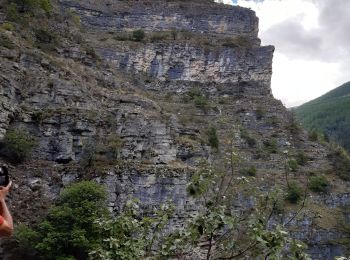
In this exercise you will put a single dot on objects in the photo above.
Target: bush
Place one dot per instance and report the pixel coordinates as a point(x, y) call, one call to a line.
point(213, 139)
point(32, 6)
point(318, 184)
point(250, 140)
point(6, 42)
point(7, 27)
point(302, 158)
point(198, 98)
point(17, 145)
point(201, 102)
point(271, 146)
point(313, 136)
point(294, 192)
point(341, 162)
point(68, 231)
point(44, 36)
point(251, 171)
point(292, 165)
point(12, 12)
point(294, 126)
point(138, 35)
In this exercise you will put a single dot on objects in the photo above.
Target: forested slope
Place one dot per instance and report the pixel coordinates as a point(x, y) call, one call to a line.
point(329, 114)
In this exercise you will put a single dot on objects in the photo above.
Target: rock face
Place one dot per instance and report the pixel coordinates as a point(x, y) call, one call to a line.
point(143, 109)
point(189, 63)
point(195, 16)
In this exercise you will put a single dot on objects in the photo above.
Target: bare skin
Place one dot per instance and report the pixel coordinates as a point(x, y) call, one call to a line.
point(6, 228)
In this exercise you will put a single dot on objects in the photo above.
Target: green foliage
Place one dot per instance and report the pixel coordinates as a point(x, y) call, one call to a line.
point(313, 135)
point(251, 171)
point(270, 145)
point(19, 10)
point(138, 35)
point(294, 192)
point(12, 12)
point(249, 139)
point(213, 139)
point(6, 42)
point(201, 181)
point(17, 145)
point(7, 26)
point(105, 151)
point(130, 236)
point(32, 6)
point(329, 114)
point(199, 100)
point(341, 162)
point(68, 231)
point(292, 165)
point(301, 158)
point(319, 184)
point(88, 154)
point(44, 36)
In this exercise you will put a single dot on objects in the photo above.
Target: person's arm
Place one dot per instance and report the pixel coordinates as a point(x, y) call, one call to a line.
point(6, 227)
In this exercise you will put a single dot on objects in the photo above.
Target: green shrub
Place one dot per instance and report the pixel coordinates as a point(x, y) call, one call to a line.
point(194, 92)
point(44, 36)
point(88, 154)
point(271, 146)
point(341, 162)
point(294, 192)
point(109, 149)
point(318, 184)
point(251, 171)
point(68, 231)
point(6, 42)
point(32, 6)
point(12, 13)
point(313, 136)
point(138, 35)
point(17, 145)
point(245, 135)
point(7, 27)
point(292, 165)
point(213, 139)
point(294, 126)
point(201, 102)
point(302, 158)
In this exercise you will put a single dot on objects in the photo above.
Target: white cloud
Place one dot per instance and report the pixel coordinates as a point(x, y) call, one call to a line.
point(311, 43)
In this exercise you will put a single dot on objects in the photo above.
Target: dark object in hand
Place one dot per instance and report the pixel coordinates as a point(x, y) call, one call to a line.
point(4, 176)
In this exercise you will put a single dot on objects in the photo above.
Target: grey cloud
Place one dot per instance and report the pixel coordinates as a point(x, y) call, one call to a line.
point(330, 42)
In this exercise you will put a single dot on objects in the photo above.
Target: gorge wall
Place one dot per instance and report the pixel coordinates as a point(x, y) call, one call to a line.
point(135, 97)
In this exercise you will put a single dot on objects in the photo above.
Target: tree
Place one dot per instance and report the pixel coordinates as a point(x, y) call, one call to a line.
point(68, 231)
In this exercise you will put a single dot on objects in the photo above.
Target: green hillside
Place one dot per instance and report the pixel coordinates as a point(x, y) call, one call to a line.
point(329, 114)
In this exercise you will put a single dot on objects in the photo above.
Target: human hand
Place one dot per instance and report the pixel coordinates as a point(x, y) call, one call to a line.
point(4, 191)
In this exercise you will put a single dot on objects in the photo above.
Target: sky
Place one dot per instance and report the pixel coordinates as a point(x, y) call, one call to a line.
point(312, 40)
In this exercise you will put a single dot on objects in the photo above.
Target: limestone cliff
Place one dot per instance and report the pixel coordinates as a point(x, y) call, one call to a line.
point(105, 88)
